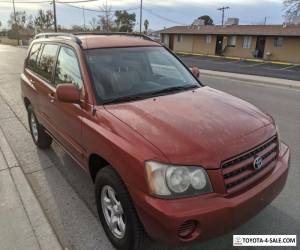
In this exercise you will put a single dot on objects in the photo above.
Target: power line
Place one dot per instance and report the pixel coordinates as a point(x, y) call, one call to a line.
point(80, 1)
point(26, 2)
point(94, 10)
point(49, 1)
point(161, 17)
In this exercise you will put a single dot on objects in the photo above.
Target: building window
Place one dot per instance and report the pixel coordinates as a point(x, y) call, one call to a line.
point(208, 39)
point(179, 38)
point(231, 41)
point(278, 41)
point(247, 42)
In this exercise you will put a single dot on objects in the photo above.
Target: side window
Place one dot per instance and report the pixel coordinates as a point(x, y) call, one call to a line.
point(67, 68)
point(278, 42)
point(231, 42)
point(33, 55)
point(46, 61)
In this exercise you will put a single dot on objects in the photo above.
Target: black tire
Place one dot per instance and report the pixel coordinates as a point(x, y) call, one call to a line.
point(134, 236)
point(42, 140)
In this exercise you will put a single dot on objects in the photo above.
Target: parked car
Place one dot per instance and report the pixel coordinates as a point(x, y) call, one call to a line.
point(170, 158)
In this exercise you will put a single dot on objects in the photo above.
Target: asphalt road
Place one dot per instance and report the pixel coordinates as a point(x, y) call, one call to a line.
point(290, 72)
point(66, 193)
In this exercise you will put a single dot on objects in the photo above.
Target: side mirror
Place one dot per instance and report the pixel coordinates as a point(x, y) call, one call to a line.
point(195, 72)
point(68, 93)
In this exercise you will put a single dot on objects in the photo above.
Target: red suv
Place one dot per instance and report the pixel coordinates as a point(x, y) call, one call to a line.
point(170, 158)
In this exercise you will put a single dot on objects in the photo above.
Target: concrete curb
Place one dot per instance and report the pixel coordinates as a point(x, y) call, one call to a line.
point(41, 227)
point(236, 58)
point(253, 79)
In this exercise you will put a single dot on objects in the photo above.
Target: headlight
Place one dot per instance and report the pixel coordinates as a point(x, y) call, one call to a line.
point(171, 181)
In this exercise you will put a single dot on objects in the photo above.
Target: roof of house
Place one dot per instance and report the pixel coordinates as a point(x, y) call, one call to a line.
point(255, 30)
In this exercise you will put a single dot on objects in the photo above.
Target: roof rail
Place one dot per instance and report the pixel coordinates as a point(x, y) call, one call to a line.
point(116, 33)
point(73, 36)
point(58, 34)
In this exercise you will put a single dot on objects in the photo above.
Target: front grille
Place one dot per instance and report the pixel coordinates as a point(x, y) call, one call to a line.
point(239, 171)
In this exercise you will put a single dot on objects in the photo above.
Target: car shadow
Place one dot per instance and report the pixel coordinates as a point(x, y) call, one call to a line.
point(270, 221)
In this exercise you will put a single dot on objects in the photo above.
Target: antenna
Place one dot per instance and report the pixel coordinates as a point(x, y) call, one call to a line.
point(223, 13)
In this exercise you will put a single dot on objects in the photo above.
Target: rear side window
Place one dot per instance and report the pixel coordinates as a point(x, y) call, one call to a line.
point(33, 55)
point(46, 61)
point(67, 68)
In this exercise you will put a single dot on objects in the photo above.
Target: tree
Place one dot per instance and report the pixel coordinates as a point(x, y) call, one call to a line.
point(207, 20)
point(30, 23)
point(17, 22)
point(94, 24)
point(44, 20)
point(125, 22)
point(106, 22)
point(77, 28)
point(146, 25)
point(292, 9)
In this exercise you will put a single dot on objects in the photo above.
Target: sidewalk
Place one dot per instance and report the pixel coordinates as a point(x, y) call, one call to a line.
point(253, 79)
point(23, 224)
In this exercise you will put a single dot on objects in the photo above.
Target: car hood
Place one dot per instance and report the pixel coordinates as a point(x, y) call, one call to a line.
point(204, 126)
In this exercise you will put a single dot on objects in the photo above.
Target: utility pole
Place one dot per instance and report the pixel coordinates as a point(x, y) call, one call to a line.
point(54, 13)
point(83, 13)
point(16, 25)
point(14, 11)
point(223, 13)
point(106, 15)
point(141, 16)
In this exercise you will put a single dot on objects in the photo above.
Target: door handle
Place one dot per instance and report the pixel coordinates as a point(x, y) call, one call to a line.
point(51, 97)
point(32, 81)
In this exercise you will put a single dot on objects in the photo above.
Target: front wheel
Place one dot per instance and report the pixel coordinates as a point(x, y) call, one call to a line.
point(39, 136)
point(116, 211)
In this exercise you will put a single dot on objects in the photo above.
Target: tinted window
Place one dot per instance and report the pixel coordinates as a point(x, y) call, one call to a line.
point(33, 55)
point(67, 68)
point(46, 61)
point(141, 71)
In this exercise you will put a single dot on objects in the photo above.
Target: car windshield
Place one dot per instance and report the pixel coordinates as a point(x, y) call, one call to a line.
point(124, 74)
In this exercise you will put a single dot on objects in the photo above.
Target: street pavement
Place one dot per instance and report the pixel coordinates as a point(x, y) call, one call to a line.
point(66, 192)
point(290, 72)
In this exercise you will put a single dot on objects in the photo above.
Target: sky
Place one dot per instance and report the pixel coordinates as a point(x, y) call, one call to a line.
point(160, 13)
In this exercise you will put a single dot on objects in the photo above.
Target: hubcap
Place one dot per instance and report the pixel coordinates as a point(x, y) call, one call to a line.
point(113, 212)
point(34, 127)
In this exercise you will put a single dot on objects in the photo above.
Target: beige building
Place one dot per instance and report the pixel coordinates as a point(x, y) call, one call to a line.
point(269, 42)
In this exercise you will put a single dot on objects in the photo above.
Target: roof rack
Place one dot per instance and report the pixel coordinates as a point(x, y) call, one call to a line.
point(116, 33)
point(73, 36)
point(58, 34)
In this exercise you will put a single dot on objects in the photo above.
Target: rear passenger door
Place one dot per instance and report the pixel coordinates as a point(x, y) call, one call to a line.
point(30, 79)
point(44, 84)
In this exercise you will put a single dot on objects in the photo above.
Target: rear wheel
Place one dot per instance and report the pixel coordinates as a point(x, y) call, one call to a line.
point(116, 211)
point(39, 136)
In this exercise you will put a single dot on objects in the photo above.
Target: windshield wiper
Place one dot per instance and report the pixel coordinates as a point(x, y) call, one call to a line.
point(175, 89)
point(150, 94)
point(127, 98)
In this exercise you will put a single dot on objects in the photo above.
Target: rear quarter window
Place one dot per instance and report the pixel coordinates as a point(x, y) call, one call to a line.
point(33, 56)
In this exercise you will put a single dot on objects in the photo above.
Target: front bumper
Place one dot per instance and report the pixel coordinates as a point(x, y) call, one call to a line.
point(214, 213)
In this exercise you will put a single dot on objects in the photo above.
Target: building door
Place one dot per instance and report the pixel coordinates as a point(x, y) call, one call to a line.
point(219, 45)
point(171, 42)
point(260, 47)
